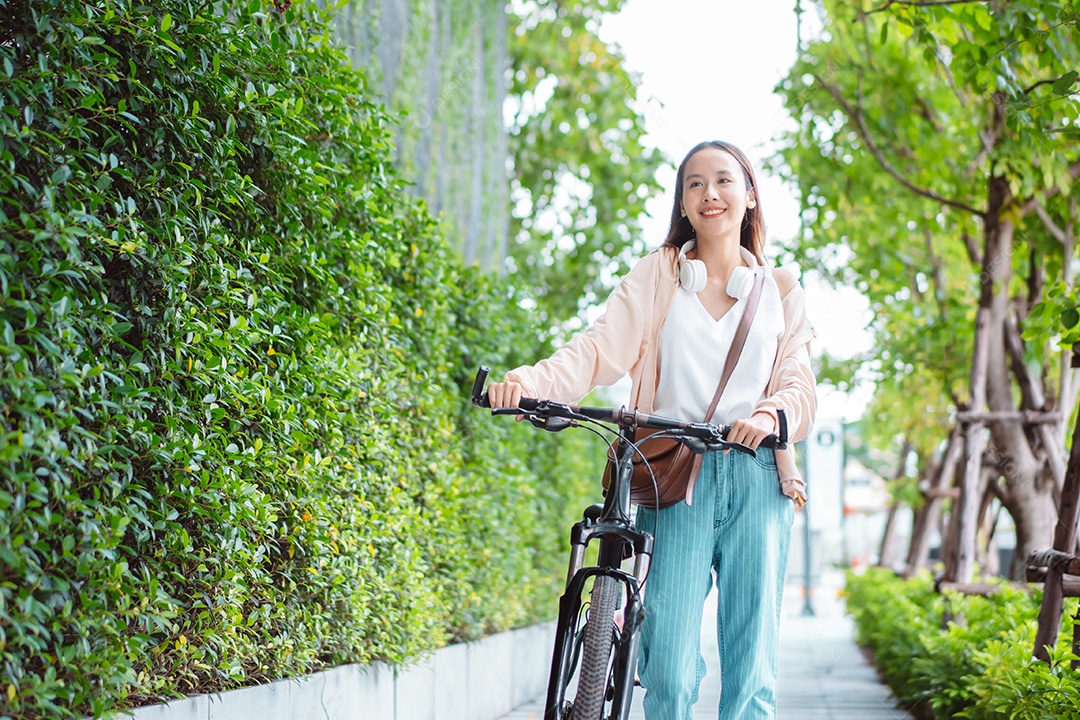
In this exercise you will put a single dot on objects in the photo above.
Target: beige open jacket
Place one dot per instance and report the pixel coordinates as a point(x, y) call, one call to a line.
point(626, 339)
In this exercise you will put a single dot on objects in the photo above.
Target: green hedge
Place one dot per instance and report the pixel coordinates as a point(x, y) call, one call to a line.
point(977, 665)
point(234, 354)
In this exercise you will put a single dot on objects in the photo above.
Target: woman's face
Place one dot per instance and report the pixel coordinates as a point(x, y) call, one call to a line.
point(715, 195)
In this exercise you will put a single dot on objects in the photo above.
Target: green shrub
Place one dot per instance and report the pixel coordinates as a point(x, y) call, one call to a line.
point(234, 354)
point(979, 664)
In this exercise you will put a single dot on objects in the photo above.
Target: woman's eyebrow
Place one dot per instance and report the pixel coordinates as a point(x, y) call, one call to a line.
point(699, 175)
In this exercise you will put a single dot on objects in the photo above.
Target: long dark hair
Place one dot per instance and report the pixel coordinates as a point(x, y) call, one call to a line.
point(752, 236)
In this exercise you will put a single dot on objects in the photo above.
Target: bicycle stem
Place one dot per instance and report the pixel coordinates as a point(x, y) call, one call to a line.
point(617, 504)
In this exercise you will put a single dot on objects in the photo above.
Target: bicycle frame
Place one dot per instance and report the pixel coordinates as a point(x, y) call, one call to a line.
point(618, 540)
point(610, 524)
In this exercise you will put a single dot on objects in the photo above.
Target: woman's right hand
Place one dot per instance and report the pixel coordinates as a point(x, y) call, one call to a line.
point(507, 393)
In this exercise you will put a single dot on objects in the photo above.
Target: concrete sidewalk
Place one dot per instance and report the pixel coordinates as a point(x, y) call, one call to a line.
point(823, 674)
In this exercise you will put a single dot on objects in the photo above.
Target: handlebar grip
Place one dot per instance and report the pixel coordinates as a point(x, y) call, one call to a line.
point(479, 397)
point(526, 404)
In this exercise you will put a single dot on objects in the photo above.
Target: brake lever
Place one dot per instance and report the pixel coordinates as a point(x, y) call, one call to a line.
point(741, 448)
point(551, 424)
point(726, 445)
point(695, 445)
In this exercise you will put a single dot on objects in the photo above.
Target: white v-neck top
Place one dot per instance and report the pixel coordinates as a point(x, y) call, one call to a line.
point(694, 346)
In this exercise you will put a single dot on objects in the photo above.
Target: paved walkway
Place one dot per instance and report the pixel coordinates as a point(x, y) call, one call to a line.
point(823, 674)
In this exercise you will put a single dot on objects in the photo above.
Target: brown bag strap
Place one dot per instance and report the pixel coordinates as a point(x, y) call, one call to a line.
point(738, 341)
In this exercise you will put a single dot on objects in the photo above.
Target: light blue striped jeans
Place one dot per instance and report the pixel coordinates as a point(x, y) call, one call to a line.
point(738, 527)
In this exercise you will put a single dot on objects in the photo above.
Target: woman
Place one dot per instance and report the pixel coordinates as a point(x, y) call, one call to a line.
point(669, 324)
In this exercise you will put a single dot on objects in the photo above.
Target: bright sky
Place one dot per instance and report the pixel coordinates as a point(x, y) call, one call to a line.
point(707, 72)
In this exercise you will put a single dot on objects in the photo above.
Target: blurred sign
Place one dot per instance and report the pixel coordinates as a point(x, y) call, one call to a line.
point(823, 464)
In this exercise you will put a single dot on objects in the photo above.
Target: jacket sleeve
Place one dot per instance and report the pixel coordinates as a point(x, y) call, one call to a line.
point(793, 386)
point(604, 352)
point(787, 465)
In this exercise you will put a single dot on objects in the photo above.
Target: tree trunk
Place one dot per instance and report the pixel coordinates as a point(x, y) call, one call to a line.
point(986, 524)
point(1026, 493)
point(887, 551)
point(929, 515)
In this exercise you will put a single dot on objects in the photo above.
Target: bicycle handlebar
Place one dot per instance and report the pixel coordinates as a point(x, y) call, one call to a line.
point(697, 436)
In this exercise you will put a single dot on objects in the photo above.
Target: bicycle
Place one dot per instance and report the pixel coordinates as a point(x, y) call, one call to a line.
point(598, 653)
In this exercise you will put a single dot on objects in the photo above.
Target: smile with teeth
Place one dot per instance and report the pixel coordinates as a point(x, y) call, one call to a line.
point(712, 213)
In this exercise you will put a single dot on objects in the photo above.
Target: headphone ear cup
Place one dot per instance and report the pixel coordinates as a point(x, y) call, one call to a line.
point(692, 275)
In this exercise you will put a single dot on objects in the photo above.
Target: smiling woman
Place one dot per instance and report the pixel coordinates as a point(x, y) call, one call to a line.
point(670, 324)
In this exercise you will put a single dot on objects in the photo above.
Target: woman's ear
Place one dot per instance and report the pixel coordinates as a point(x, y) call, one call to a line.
point(751, 199)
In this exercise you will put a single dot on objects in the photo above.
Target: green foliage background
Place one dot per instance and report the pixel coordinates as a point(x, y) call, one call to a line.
point(963, 656)
point(943, 97)
point(581, 176)
point(234, 355)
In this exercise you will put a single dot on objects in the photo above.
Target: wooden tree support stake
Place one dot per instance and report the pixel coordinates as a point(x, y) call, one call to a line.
point(1059, 561)
point(1026, 416)
point(960, 567)
point(1070, 584)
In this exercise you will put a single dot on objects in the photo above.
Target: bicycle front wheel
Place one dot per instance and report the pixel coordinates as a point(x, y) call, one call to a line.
point(597, 640)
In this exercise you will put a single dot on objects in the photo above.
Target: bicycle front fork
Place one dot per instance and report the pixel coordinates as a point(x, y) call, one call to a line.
point(615, 541)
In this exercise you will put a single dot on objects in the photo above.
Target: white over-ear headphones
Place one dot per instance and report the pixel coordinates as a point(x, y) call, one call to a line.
point(691, 272)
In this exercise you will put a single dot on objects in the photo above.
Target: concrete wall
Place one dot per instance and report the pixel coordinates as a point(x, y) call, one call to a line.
point(475, 681)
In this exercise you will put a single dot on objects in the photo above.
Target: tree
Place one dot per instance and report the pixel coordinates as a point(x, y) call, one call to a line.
point(581, 176)
point(936, 149)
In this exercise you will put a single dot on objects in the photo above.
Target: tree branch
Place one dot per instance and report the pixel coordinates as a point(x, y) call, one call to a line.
point(1033, 202)
point(973, 251)
point(1048, 221)
point(938, 275)
point(855, 113)
point(989, 137)
point(916, 3)
point(1027, 90)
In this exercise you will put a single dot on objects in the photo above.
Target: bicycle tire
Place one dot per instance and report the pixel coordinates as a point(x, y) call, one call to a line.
point(598, 638)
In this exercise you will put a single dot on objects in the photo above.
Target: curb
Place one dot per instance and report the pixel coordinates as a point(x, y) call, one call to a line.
point(483, 680)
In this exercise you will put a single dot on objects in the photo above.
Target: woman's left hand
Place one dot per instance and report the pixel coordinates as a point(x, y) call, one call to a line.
point(796, 490)
point(752, 430)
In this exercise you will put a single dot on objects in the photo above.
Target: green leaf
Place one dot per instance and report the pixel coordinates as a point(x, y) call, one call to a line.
point(166, 22)
point(1070, 317)
point(61, 175)
point(1063, 84)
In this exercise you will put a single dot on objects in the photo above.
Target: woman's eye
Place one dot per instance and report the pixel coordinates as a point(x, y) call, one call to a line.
point(695, 183)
